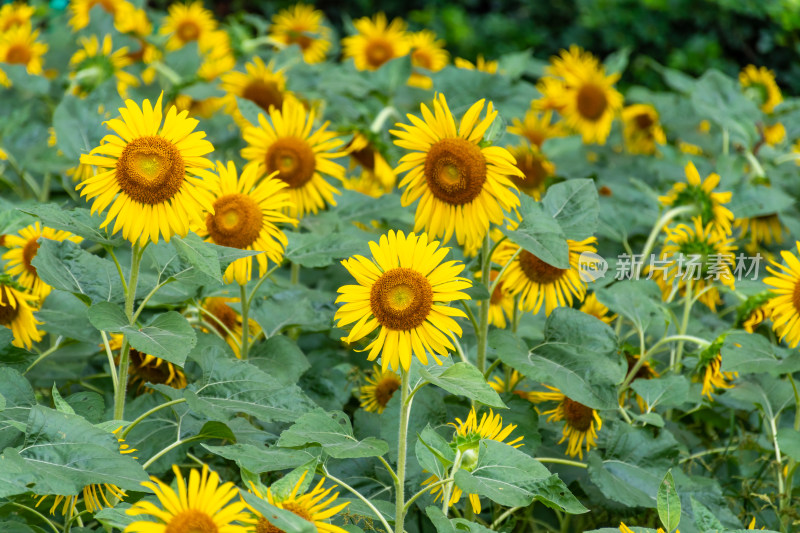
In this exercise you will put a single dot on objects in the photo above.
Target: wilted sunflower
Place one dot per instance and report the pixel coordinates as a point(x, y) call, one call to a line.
point(537, 127)
point(592, 306)
point(709, 372)
point(261, 84)
point(401, 290)
point(374, 168)
point(376, 42)
point(302, 25)
point(784, 307)
point(186, 23)
point(537, 282)
point(95, 63)
point(701, 195)
point(427, 53)
point(15, 15)
point(641, 129)
point(462, 185)
point(481, 64)
point(760, 81)
point(153, 177)
point(535, 168)
point(381, 386)
point(22, 249)
point(286, 145)
point(226, 321)
point(18, 46)
point(246, 213)
point(580, 421)
point(313, 506)
point(202, 506)
point(763, 229)
point(145, 368)
point(16, 314)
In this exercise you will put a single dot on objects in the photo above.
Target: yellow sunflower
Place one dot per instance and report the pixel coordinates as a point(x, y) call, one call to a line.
point(463, 186)
point(381, 386)
point(16, 314)
point(763, 229)
point(756, 317)
point(22, 249)
point(695, 257)
point(581, 422)
point(95, 63)
point(186, 23)
point(784, 307)
point(501, 303)
point(592, 306)
point(302, 25)
point(153, 177)
point(535, 168)
point(501, 385)
point(217, 55)
point(145, 368)
point(641, 129)
point(709, 373)
point(286, 145)
point(760, 82)
point(81, 10)
point(15, 15)
point(4, 82)
point(261, 84)
point(401, 290)
point(376, 42)
point(700, 193)
point(374, 167)
point(537, 127)
point(538, 282)
point(427, 53)
point(774, 134)
point(202, 506)
point(226, 321)
point(315, 506)
point(18, 46)
point(481, 64)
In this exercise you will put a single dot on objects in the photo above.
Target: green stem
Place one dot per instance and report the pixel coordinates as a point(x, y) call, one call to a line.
point(448, 490)
point(380, 120)
point(44, 354)
point(155, 409)
point(470, 315)
point(559, 461)
point(483, 318)
point(792, 465)
point(489, 370)
point(111, 365)
point(294, 272)
point(124, 354)
point(37, 513)
point(169, 448)
point(245, 301)
point(405, 410)
point(360, 497)
point(261, 280)
point(389, 469)
point(426, 489)
point(651, 239)
point(687, 311)
point(147, 299)
point(506, 514)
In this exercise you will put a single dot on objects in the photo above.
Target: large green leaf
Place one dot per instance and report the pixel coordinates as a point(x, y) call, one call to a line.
point(668, 503)
point(461, 379)
point(76, 220)
point(540, 234)
point(574, 206)
point(257, 459)
point(637, 300)
point(433, 452)
point(667, 391)
point(19, 398)
point(747, 353)
point(281, 357)
point(334, 433)
point(720, 99)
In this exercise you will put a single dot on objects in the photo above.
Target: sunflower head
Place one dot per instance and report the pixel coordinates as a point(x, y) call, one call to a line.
point(376, 42)
point(758, 83)
point(642, 130)
point(700, 194)
point(302, 25)
point(481, 64)
point(784, 303)
point(470, 432)
point(379, 388)
point(18, 46)
point(581, 422)
point(14, 15)
point(187, 23)
point(97, 62)
point(16, 313)
point(709, 372)
point(537, 127)
point(535, 168)
point(261, 84)
point(427, 53)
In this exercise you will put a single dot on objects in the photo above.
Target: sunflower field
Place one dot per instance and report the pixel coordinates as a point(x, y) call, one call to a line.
point(295, 271)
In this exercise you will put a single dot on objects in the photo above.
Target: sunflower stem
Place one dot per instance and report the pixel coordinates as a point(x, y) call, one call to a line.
point(155, 409)
point(559, 461)
point(124, 354)
point(359, 496)
point(37, 513)
point(245, 322)
point(111, 365)
point(405, 410)
point(295, 273)
point(44, 354)
point(665, 219)
point(687, 311)
point(380, 119)
point(448, 489)
point(483, 324)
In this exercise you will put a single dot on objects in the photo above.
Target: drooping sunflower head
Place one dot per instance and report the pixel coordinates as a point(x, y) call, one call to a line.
point(784, 306)
point(701, 195)
point(763, 230)
point(302, 25)
point(376, 42)
point(286, 145)
point(489, 66)
point(642, 129)
point(202, 506)
point(18, 46)
point(379, 389)
point(226, 321)
point(16, 313)
point(15, 15)
point(754, 311)
point(759, 84)
point(462, 184)
point(375, 170)
point(581, 422)
point(22, 248)
point(537, 127)
point(535, 168)
point(261, 84)
point(709, 371)
point(402, 292)
point(592, 306)
point(145, 368)
point(427, 53)
point(470, 432)
point(152, 176)
point(95, 63)
point(186, 23)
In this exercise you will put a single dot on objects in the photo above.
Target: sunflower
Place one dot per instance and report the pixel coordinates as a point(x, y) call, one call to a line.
point(501, 384)
point(15, 15)
point(81, 11)
point(463, 186)
point(217, 57)
point(784, 307)
point(689, 148)
point(592, 306)
point(313, 506)
point(427, 53)
point(16, 314)
point(709, 373)
point(641, 129)
point(537, 127)
point(226, 321)
point(374, 168)
point(760, 83)
point(695, 257)
point(261, 84)
point(299, 156)
point(153, 177)
point(376, 42)
point(535, 168)
point(18, 46)
point(93, 64)
point(581, 422)
point(381, 386)
point(22, 249)
point(302, 25)
point(481, 64)
point(467, 441)
point(186, 23)
point(201, 507)
point(763, 229)
point(540, 283)
point(146, 368)
point(774, 134)
point(756, 317)
point(700, 193)
point(501, 303)
point(402, 290)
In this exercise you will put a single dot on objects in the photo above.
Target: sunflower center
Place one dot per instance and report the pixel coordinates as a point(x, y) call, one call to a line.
point(497, 294)
point(7, 312)
point(191, 521)
point(578, 415)
point(536, 137)
point(265, 526)
point(150, 170)
point(28, 253)
point(188, 30)
point(265, 94)
point(299, 38)
point(294, 159)
point(534, 171)
point(420, 58)
point(379, 52)
point(148, 370)
point(592, 101)
point(236, 221)
point(18, 54)
point(299, 510)
point(537, 270)
point(224, 314)
point(401, 299)
point(643, 121)
point(455, 170)
point(385, 389)
point(365, 157)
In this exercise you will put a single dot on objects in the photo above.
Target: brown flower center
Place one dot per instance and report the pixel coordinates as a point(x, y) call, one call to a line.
point(191, 521)
point(7, 312)
point(28, 253)
point(421, 58)
point(265, 526)
point(365, 157)
point(294, 159)
point(536, 137)
point(455, 170)
point(379, 52)
point(223, 313)
point(107, 5)
point(578, 415)
point(188, 30)
point(534, 170)
point(150, 170)
point(299, 38)
point(592, 101)
point(18, 54)
point(537, 270)
point(385, 389)
point(236, 221)
point(265, 94)
point(401, 299)
point(497, 294)
point(152, 370)
point(643, 121)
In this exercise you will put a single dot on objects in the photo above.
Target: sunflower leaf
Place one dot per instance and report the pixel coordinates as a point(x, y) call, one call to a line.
point(77, 221)
point(282, 519)
point(575, 206)
point(258, 459)
point(462, 379)
point(334, 433)
point(669, 504)
point(540, 234)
